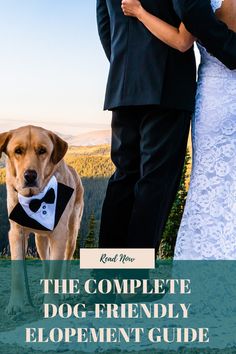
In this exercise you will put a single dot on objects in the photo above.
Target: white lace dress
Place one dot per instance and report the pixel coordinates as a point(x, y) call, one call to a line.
point(208, 227)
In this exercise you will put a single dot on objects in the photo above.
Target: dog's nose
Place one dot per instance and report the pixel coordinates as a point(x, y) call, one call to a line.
point(30, 176)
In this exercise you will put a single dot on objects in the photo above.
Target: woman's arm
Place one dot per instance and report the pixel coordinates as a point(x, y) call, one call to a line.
point(199, 18)
point(227, 14)
point(178, 38)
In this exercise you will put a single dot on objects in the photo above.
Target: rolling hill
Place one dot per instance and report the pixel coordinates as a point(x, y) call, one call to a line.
point(97, 137)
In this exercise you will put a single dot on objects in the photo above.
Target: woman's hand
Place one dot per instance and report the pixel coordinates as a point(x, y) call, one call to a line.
point(131, 8)
point(178, 38)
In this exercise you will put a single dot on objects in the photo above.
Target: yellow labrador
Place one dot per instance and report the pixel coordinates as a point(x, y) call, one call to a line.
point(44, 196)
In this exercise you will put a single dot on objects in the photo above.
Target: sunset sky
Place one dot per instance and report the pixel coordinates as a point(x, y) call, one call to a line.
point(52, 67)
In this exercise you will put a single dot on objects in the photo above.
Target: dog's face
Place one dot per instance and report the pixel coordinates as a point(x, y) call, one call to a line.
point(33, 154)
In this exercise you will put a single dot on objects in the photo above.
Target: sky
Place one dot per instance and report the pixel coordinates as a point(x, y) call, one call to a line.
point(53, 69)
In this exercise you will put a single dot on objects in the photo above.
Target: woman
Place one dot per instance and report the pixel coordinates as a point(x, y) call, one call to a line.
point(208, 227)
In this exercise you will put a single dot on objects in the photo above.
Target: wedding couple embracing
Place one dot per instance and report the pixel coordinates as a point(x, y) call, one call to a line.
point(153, 95)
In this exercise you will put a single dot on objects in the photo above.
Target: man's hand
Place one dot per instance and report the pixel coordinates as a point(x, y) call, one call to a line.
point(131, 8)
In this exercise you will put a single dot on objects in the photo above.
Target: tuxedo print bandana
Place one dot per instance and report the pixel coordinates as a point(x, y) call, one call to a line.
point(38, 208)
point(42, 211)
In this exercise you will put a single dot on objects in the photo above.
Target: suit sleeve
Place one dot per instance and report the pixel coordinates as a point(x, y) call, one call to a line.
point(103, 23)
point(200, 20)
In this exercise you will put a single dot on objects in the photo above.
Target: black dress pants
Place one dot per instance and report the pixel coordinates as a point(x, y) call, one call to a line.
point(148, 150)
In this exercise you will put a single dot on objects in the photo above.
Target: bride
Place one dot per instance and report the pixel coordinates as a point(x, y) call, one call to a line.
point(208, 226)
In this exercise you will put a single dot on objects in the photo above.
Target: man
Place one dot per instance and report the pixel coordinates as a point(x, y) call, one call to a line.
point(150, 90)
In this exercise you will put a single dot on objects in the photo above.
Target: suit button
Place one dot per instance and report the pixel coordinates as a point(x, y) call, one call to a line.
point(44, 207)
point(44, 212)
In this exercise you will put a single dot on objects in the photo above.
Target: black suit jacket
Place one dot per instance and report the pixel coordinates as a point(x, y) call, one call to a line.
point(200, 20)
point(143, 70)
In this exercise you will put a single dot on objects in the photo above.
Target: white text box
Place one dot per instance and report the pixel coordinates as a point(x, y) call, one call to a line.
point(117, 258)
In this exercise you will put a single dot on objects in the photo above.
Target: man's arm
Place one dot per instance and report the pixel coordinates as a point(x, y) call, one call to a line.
point(200, 20)
point(103, 23)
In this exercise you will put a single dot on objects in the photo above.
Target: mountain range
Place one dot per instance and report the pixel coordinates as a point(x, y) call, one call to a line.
point(92, 138)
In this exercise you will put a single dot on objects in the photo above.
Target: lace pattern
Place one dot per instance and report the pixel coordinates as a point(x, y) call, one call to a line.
point(208, 227)
point(216, 4)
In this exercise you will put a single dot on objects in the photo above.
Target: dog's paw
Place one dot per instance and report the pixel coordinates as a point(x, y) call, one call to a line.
point(38, 298)
point(65, 298)
point(40, 310)
point(14, 309)
point(51, 299)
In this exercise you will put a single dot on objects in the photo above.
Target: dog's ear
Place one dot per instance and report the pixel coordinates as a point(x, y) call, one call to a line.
point(60, 148)
point(4, 139)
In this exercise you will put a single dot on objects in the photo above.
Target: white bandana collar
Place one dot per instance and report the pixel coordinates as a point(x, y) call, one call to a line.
point(46, 213)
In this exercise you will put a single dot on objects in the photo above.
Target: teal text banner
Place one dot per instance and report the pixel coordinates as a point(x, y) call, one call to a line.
point(180, 306)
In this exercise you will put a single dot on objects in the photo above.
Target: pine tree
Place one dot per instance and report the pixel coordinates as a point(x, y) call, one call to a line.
point(90, 241)
point(172, 226)
point(77, 249)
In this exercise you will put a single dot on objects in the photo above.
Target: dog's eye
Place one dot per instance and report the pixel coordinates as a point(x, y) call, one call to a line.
point(18, 151)
point(42, 151)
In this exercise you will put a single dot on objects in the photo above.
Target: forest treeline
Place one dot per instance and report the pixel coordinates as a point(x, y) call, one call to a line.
point(95, 167)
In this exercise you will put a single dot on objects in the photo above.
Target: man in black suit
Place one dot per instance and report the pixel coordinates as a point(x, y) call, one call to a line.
point(150, 91)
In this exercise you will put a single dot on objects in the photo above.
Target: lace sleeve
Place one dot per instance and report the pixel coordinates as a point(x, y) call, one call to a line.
point(216, 4)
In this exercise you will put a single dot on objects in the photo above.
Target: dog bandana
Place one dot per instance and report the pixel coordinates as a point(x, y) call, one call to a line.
point(42, 211)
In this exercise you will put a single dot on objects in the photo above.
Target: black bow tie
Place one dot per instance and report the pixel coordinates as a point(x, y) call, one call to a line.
point(49, 198)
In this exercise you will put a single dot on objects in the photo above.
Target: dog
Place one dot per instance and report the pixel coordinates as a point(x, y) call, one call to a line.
point(51, 196)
